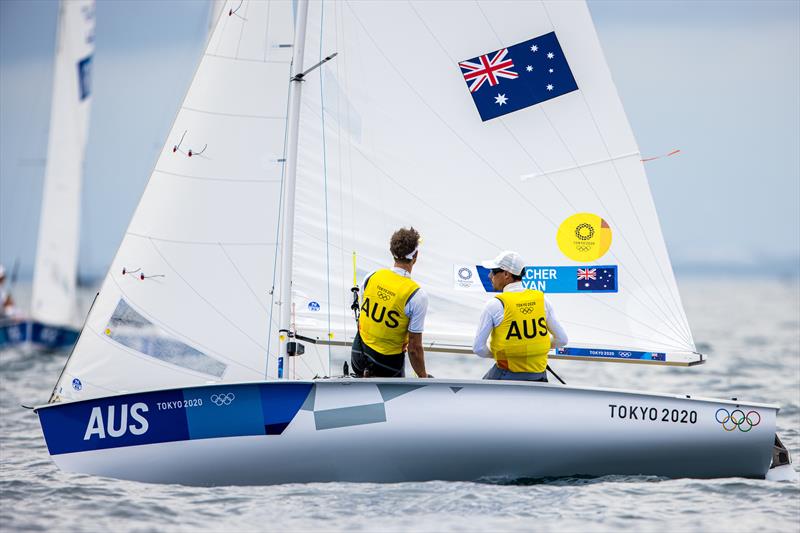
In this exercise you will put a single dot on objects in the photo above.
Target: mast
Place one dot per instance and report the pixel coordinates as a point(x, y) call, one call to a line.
point(290, 185)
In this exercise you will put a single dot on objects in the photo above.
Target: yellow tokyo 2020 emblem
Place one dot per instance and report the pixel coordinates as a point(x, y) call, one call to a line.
point(584, 237)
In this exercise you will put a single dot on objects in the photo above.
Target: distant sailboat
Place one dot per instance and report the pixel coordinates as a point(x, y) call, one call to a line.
point(55, 321)
point(312, 130)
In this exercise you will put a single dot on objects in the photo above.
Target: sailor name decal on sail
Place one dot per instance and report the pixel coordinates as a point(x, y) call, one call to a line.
point(98, 426)
point(579, 279)
point(653, 414)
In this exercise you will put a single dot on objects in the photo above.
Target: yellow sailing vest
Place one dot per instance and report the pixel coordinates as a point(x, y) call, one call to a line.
point(521, 341)
point(383, 323)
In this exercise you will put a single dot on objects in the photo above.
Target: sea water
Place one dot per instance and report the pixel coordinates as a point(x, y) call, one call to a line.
point(749, 328)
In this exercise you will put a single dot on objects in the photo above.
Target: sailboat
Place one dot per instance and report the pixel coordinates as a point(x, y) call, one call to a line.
point(54, 321)
point(309, 133)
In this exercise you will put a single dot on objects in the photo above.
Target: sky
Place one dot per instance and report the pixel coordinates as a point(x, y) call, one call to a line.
point(719, 80)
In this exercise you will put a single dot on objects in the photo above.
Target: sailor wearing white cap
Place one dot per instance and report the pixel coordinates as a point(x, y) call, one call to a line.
point(519, 324)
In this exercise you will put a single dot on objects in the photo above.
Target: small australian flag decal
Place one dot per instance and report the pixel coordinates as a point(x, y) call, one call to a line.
point(597, 279)
point(517, 77)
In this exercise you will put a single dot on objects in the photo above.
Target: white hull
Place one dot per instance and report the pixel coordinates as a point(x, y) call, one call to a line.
point(390, 431)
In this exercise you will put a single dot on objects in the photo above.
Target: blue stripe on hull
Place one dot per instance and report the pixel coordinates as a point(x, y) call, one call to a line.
point(43, 335)
point(53, 337)
point(173, 415)
point(13, 333)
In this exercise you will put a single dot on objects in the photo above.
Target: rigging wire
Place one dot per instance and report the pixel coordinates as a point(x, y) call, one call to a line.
point(349, 127)
point(325, 176)
point(277, 239)
point(203, 298)
point(242, 277)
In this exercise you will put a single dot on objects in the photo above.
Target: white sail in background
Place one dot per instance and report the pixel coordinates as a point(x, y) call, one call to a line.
point(56, 268)
point(393, 139)
point(389, 137)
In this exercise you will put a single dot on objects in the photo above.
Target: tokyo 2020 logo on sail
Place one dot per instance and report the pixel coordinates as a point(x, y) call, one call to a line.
point(584, 231)
point(584, 237)
point(737, 419)
point(464, 276)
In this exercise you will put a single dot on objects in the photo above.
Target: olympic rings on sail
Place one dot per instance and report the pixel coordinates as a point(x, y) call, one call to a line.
point(737, 419)
point(222, 399)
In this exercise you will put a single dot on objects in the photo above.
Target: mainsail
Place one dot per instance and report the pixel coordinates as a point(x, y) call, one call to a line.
point(56, 268)
point(390, 136)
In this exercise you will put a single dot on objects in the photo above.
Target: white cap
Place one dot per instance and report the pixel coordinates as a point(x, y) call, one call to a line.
point(508, 261)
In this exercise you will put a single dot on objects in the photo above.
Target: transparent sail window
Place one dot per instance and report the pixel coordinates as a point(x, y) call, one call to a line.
point(131, 329)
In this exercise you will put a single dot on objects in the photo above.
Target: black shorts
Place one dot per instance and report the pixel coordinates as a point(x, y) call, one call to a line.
point(362, 357)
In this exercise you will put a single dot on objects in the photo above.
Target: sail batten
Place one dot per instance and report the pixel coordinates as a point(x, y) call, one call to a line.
point(551, 173)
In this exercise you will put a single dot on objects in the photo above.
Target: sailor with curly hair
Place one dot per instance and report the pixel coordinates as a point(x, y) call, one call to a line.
point(392, 317)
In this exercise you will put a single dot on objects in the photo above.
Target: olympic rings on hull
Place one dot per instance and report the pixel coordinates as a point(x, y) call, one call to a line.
point(737, 419)
point(222, 399)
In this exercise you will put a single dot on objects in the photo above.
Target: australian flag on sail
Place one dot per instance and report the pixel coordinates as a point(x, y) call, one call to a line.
point(517, 77)
point(598, 279)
